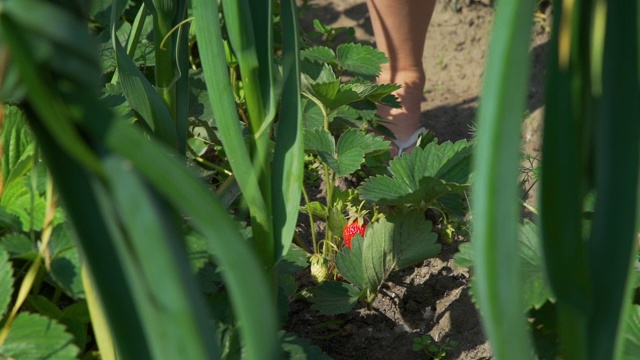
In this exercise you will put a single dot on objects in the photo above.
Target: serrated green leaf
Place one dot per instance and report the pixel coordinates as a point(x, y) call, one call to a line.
point(294, 260)
point(349, 263)
point(361, 60)
point(319, 140)
point(313, 72)
point(386, 190)
point(367, 142)
point(65, 271)
point(61, 240)
point(345, 163)
point(312, 117)
point(332, 297)
point(37, 337)
point(300, 349)
point(18, 245)
point(455, 165)
point(415, 177)
point(632, 334)
point(464, 256)
point(288, 287)
point(17, 143)
point(321, 54)
point(378, 257)
point(325, 92)
point(413, 240)
point(344, 96)
point(455, 203)
point(65, 261)
point(6, 281)
point(537, 291)
point(17, 199)
point(357, 111)
point(8, 220)
point(373, 92)
point(199, 104)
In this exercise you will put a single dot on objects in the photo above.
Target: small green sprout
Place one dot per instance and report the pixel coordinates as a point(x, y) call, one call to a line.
point(432, 348)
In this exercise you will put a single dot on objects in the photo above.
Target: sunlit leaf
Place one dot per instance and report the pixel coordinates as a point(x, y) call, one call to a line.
point(362, 60)
point(37, 337)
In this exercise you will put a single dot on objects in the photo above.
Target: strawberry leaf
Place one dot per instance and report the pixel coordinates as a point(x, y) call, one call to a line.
point(37, 337)
point(632, 334)
point(18, 246)
point(348, 155)
point(299, 348)
point(18, 145)
point(422, 176)
point(321, 54)
point(373, 92)
point(344, 96)
point(312, 117)
point(346, 162)
point(378, 257)
point(537, 291)
point(413, 240)
point(367, 142)
point(319, 140)
point(398, 242)
point(65, 262)
point(361, 60)
point(350, 264)
point(315, 73)
point(324, 92)
point(333, 297)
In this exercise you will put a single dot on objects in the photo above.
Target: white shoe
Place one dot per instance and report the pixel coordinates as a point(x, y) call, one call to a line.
point(411, 142)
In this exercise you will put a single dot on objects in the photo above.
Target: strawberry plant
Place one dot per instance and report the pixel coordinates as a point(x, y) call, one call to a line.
point(340, 116)
point(394, 242)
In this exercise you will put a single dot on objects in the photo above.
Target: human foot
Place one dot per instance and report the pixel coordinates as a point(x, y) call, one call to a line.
point(404, 122)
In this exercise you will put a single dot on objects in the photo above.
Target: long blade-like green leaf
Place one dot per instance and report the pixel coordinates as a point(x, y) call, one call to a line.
point(139, 92)
point(251, 299)
point(173, 311)
point(496, 163)
point(262, 18)
point(612, 242)
point(77, 188)
point(564, 179)
point(216, 76)
point(242, 38)
point(288, 162)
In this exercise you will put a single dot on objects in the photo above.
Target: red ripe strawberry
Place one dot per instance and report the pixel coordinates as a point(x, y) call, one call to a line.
point(351, 229)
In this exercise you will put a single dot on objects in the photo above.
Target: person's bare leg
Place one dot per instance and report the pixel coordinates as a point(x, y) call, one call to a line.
point(400, 29)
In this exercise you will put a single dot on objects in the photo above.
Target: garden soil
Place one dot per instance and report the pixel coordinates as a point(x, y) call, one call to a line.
point(432, 298)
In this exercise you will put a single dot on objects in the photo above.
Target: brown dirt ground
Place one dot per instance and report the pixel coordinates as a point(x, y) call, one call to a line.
point(432, 298)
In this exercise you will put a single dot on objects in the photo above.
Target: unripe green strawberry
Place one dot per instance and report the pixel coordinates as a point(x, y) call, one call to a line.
point(319, 268)
point(351, 229)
